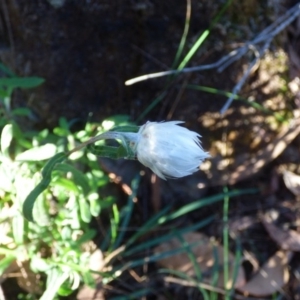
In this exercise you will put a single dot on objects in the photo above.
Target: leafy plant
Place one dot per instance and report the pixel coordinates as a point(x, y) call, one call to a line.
point(57, 243)
point(62, 212)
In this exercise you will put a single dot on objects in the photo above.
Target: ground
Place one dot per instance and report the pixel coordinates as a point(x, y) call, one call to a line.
point(86, 50)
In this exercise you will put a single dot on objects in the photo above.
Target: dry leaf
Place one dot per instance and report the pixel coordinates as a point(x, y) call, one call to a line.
point(25, 277)
point(29, 281)
point(12, 268)
point(96, 264)
point(88, 293)
point(271, 277)
point(205, 252)
point(96, 260)
point(286, 239)
point(246, 165)
point(292, 182)
point(241, 223)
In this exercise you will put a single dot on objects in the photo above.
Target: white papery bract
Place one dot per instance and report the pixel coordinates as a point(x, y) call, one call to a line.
point(169, 150)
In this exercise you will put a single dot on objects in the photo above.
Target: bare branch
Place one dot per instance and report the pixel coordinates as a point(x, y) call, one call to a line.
point(260, 44)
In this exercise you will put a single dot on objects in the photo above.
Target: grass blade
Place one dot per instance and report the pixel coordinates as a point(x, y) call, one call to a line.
point(203, 37)
point(204, 202)
point(226, 241)
point(184, 34)
point(256, 105)
point(21, 82)
point(148, 226)
point(166, 237)
point(134, 295)
point(127, 211)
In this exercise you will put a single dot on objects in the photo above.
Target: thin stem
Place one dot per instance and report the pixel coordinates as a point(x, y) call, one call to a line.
point(226, 242)
point(108, 136)
point(185, 32)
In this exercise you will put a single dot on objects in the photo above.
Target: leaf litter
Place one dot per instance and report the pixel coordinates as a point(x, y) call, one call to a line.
point(208, 254)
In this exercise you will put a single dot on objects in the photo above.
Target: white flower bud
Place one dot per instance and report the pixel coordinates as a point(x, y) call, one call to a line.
point(169, 150)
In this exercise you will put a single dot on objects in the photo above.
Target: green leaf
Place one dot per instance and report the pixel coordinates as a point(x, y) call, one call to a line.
point(79, 178)
point(95, 204)
point(63, 128)
point(67, 184)
point(127, 128)
point(46, 174)
point(73, 217)
point(56, 159)
point(31, 198)
point(3, 93)
point(21, 82)
point(66, 288)
point(64, 124)
point(41, 212)
point(84, 208)
point(20, 137)
point(38, 264)
point(7, 101)
point(86, 236)
point(21, 111)
point(55, 279)
point(18, 228)
point(108, 151)
point(38, 153)
point(66, 233)
point(88, 279)
point(107, 202)
point(117, 120)
point(5, 263)
point(6, 178)
point(6, 138)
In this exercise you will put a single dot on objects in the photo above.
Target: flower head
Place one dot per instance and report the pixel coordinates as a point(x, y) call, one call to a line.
point(169, 150)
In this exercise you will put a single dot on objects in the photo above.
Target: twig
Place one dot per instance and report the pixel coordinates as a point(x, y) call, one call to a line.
point(149, 56)
point(265, 38)
point(240, 84)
